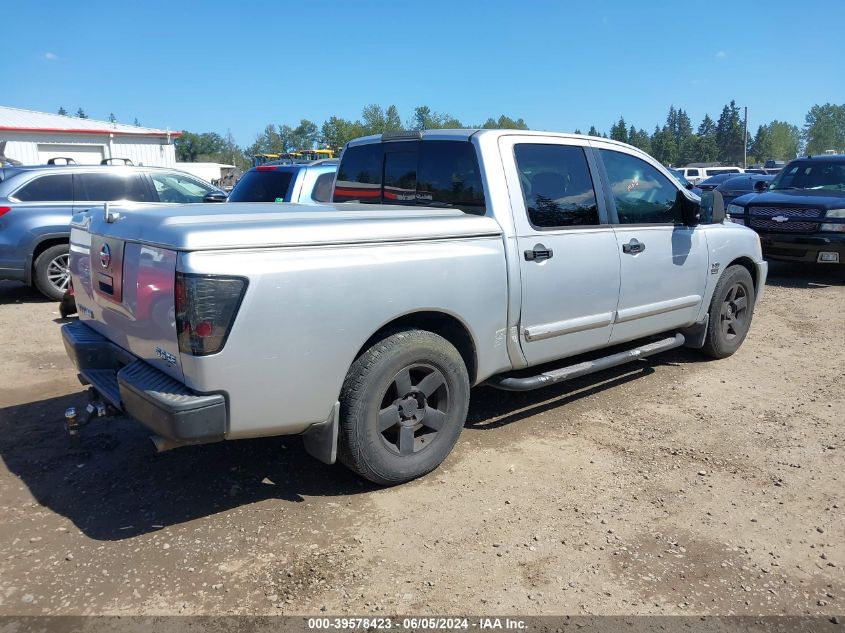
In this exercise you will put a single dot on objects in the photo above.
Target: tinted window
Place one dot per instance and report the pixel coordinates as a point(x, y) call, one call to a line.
point(323, 188)
point(692, 172)
point(262, 186)
point(429, 173)
point(178, 188)
point(400, 177)
point(107, 187)
point(359, 174)
point(449, 175)
point(556, 185)
point(47, 189)
point(642, 194)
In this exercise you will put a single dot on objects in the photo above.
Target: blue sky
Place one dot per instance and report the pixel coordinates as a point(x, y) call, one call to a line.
point(213, 66)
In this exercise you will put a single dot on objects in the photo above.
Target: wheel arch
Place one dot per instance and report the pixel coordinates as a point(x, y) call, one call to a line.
point(44, 242)
point(439, 322)
point(751, 267)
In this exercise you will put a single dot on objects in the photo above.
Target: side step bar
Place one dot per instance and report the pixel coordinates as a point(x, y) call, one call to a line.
point(509, 383)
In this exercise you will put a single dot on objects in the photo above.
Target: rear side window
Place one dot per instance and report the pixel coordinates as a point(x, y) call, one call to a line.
point(692, 172)
point(108, 187)
point(262, 186)
point(423, 173)
point(322, 191)
point(556, 185)
point(53, 188)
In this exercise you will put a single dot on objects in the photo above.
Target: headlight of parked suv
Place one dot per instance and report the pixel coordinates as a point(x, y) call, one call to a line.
point(735, 209)
point(834, 213)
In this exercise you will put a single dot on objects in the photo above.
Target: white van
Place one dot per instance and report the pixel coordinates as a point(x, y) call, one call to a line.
point(697, 174)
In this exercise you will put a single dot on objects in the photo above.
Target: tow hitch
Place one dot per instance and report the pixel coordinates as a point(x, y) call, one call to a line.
point(94, 410)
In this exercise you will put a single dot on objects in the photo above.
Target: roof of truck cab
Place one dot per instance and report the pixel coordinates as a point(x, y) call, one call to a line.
point(467, 133)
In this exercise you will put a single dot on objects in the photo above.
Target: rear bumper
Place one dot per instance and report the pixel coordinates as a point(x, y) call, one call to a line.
point(162, 404)
point(802, 248)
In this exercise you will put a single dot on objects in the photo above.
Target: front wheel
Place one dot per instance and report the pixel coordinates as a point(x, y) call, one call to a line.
point(403, 405)
point(730, 312)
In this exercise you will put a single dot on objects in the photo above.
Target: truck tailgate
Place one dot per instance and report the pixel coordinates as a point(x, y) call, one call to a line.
point(125, 291)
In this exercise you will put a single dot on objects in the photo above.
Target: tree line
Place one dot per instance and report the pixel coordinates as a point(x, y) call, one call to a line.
point(676, 142)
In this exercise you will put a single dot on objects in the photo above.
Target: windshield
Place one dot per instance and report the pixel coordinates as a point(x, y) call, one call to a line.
point(679, 177)
point(811, 175)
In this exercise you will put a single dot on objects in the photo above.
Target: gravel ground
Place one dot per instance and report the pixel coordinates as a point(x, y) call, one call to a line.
point(674, 486)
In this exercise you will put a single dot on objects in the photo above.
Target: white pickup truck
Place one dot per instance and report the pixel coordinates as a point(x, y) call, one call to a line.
point(448, 259)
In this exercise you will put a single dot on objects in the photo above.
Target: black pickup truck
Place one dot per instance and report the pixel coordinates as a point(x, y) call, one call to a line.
point(801, 215)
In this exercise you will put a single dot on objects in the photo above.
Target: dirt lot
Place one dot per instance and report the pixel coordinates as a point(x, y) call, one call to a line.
point(673, 486)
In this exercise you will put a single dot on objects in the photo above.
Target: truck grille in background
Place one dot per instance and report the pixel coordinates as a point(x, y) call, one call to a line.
point(761, 219)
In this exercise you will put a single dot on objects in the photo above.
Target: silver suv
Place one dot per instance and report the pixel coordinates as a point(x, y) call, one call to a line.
point(37, 203)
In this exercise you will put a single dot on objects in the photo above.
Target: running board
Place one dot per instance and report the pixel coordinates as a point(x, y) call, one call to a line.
point(509, 383)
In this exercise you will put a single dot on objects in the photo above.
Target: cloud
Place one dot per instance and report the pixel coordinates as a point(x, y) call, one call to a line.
point(721, 55)
point(50, 56)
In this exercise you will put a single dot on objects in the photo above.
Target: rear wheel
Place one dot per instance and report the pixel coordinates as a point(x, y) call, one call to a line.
point(403, 406)
point(52, 271)
point(730, 313)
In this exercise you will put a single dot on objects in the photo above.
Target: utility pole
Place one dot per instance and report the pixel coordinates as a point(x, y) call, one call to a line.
point(745, 140)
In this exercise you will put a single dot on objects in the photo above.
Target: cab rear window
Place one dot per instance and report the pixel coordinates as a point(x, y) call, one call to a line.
point(417, 173)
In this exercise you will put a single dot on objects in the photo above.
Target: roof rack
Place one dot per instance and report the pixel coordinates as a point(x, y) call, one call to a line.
point(67, 159)
point(122, 161)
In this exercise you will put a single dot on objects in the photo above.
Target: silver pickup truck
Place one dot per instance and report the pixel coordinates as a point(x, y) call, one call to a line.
point(448, 259)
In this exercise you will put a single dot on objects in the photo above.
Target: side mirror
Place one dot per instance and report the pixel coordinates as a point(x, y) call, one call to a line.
point(215, 196)
point(689, 186)
point(713, 207)
point(760, 185)
point(687, 212)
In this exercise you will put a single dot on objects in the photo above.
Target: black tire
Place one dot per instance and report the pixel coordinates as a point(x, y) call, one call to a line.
point(731, 310)
point(403, 405)
point(48, 271)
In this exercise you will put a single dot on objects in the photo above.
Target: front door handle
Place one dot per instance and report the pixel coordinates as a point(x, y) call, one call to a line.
point(539, 253)
point(633, 247)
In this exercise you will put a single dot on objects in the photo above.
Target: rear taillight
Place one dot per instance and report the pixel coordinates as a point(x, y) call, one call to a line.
point(206, 306)
point(4, 210)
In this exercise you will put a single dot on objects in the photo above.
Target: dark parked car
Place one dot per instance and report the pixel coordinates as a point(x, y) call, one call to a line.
point(740, 185)
point(801, 217)
point(714, 181)
point(37, 203)
point(679, 176)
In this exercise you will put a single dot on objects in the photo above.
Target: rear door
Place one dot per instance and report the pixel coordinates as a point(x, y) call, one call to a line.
point(664, 263)
point(569, 263)
point(39, 208)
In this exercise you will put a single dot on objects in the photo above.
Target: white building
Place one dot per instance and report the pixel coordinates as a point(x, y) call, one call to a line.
point(35, 137)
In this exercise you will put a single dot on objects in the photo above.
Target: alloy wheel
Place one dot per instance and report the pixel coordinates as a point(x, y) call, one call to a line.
point(413, 409)
point(734, 314)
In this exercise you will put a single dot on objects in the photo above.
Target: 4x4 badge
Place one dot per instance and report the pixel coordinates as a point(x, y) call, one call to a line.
point(714, 268)
point(105, 256)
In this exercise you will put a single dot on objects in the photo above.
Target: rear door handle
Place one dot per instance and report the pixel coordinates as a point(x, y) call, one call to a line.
point(633, 247)
point(539, 253)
